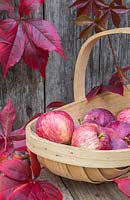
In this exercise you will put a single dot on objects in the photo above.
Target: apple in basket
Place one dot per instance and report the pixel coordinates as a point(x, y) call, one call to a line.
point(124, 115)
point(91, 136)
point(99, 116)
point(56, 126)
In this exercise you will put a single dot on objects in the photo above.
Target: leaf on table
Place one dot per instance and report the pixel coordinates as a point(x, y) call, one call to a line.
point(35, 165)
point(7, 186)
point(36, 190)
point(123, 185)
point(20, 146)
point(6, 147)
point(18, 134)
point(6, 5)
point(26, 7)
point(15, 169)
point(7, 117)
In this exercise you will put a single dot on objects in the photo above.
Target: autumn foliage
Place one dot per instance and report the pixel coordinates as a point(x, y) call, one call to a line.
point(22, 37)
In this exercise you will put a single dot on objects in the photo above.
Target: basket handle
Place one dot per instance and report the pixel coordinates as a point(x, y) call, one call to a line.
point(83, 57)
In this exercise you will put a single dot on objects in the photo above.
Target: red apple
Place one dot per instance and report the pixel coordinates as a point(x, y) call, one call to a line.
point(124, 115)
point(91, 136)
point(56, 126)
point(122, 128)
point(99, 116)
point(118, 143)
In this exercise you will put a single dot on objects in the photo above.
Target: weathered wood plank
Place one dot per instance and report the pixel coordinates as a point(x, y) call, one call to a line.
point(59, 82)
point(25, 87)
point(86, 191)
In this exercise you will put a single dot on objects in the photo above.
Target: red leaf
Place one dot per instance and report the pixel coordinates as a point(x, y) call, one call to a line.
point(18, 134)
point(6, 147)
point(49, 191)
point(36, 190)
point(115, 84)
point(96, 90)
point(35, 165)
point(44, 35)
point(7, 25)
point(7, 117)
point(26, 7)
point(6, 5)
point(20, 146)
point(55, 104)
point(35, 57)
point(7, 186)
point(116, 19)
point(9, 56)
point(18, 170)
point(123, 185)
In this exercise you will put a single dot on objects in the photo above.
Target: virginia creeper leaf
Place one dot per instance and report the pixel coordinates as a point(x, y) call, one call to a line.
point(44, 35)
point(20, 146)
point(35, 165)
point(18, 134)
point(35, 57)
point(7, 25)
point(9, 56)
point(27, 7)
point(36, 190)
point(18, 170)
point(7, 117)
point(7, 186)
point(55, 104)
point(96, 90)
point(123, 185)
point(6, 146)
point(6, 5)
point(49, 191)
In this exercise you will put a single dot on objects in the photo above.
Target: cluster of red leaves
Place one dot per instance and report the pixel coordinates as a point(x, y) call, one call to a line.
point(19, 168)
point(101, 11)
point(115, 85)
point(26, 38)
point(10, 141)
point(19, 181)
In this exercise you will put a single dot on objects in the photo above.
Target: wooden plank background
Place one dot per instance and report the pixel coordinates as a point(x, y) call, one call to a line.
point(30, 93)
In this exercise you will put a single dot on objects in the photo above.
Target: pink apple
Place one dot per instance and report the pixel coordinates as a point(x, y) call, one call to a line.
point(56, 126)
point(99, 116)
point(122, 128)
point(124, 115)
point(118, 143)
point(91, 136)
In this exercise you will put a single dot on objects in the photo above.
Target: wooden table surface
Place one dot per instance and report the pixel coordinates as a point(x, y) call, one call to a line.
point(73, 190)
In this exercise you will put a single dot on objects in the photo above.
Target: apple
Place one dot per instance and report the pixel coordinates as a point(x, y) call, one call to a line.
point(91, 136)
point(56, 126)
point(122, 128)
point(99, 116)
point(124, 115)
point(118, 143)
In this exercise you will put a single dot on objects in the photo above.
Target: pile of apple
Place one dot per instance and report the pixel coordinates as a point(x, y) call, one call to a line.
point(99, 130)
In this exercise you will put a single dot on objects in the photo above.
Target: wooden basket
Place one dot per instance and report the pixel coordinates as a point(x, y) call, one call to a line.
point(94, 166)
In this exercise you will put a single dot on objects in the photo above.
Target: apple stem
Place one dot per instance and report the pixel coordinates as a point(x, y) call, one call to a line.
point(100, 135)
point(80, 122)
